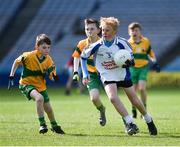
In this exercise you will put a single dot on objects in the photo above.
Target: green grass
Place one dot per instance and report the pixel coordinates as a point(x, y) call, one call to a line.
point(79, 118)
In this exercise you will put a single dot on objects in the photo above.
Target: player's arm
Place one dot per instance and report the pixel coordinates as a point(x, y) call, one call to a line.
point(84, 56)
point(76, 55)
point(14, 67)
point(152, 57)
point(131, 62)
point(52, 71)
point(76, 67)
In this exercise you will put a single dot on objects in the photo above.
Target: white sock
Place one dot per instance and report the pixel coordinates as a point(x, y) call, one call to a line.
point(128, 119)
point(147, 118)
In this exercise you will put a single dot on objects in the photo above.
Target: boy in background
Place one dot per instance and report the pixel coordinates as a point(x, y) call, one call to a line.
point(142, 52)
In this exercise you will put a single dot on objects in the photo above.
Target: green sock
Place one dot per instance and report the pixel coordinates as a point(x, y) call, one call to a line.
point(101, 108)
point(124, 121)
point(145, 105)
point(133, 108)
point(42, 121)
point(53, 123)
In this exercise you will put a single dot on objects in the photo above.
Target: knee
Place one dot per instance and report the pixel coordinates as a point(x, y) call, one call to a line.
point(142, 89)
point(39, 99)
point(94, 97)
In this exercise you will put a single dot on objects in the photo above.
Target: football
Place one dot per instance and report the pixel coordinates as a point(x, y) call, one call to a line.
point(121, 56)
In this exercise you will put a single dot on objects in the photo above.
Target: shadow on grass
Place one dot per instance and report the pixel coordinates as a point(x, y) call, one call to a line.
point(139, 135)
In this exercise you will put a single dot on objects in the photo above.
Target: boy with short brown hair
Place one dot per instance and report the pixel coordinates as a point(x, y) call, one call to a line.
point(36, 65)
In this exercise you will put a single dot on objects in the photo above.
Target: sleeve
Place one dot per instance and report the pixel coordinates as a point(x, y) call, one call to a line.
point(21, 59)
point(77, 51)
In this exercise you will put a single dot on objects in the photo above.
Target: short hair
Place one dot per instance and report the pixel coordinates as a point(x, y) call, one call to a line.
point(112, 21)
point(91, 21)
point(134, 25)
point(42, 38)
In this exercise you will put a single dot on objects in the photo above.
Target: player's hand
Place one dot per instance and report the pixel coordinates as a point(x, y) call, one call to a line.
point(75, 76)
point(128, 63)
point(10, 82)
point(56, 78)
point(156, 67)
point(85, 81)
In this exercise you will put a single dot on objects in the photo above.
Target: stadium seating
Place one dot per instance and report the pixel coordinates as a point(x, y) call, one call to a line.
point(54, 18)
point(159, 19)
point(173, 66)
point(8, 9)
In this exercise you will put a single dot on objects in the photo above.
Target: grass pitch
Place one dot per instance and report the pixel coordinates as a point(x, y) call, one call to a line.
point(79, 119)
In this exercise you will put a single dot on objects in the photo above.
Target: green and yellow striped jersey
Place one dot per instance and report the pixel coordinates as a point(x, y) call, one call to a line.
point(141, 51)
point(35, 69)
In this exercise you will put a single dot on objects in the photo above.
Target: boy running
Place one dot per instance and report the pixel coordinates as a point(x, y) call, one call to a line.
point(114, 76)
point(36, 65)
point(92, 30)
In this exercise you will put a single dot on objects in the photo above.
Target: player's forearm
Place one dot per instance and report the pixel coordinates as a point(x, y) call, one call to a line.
point(84, 67)
point(76, 64)
point(14, 68)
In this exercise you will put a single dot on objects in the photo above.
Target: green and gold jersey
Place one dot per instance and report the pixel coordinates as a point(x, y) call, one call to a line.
point(83, 44)
point(141, 51)
point(35, 69)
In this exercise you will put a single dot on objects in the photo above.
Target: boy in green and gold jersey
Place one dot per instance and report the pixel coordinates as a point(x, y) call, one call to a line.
point(142, 52)
point(92, 30)
point(36, 64)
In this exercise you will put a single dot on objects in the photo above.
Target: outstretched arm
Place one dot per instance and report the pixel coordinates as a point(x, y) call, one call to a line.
point(11, 75)
point(13, 68)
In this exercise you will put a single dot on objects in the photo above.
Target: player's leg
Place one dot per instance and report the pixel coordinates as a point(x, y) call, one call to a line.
point(142, 89)
point(138, 104)
point(48, 109)
point(94, 95)
point(134, 111)
point(135, 77)
point(68, 85)
point(142, 84)
point(93, 88)
point(55, 127)
point(40, 110)
point(111, 91)
point(69, 81)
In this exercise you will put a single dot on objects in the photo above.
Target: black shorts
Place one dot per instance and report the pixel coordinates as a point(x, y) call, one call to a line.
point(124, 84)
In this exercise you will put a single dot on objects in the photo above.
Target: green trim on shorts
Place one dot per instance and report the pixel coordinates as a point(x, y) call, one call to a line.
point(95, 82)
point(139, 73)
point(26, 90)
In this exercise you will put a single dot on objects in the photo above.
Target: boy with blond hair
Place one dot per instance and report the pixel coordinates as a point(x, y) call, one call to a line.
point(114, 76)
point(36, 65)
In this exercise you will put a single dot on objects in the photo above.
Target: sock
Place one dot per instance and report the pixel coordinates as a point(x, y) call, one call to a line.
point(124, 121)
point(101, 108)
point(144, 105)
point(128, 119)
point(133, 108)
point(147, 118)
point(53, 123)
point(42, 121)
